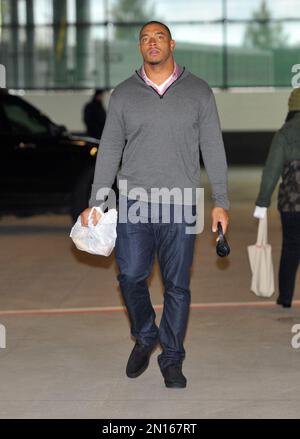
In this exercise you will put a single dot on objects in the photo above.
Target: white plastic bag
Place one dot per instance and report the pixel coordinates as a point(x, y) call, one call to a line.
point(99, 239)
point(261, 263)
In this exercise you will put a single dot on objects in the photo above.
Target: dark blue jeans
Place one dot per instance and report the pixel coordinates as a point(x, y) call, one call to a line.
point(135, 249)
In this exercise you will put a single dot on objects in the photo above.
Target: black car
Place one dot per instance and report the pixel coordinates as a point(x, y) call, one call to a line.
point(44, 168)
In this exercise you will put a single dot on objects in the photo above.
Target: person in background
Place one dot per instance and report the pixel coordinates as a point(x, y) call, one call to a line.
point(284, 160)
point(94, 115)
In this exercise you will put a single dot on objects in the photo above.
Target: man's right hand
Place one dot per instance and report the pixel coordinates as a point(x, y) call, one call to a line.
point(84, 216)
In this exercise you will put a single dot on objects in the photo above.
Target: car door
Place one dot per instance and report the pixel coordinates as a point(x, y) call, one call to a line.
point(32, 169)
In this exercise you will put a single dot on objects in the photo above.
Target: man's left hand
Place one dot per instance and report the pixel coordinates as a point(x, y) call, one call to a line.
point(219, 214)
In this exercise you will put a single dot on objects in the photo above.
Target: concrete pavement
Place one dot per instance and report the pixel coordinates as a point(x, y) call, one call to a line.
point(64, 360)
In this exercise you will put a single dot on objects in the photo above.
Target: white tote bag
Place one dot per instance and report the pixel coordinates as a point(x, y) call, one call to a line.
point(99, 239)
point(261, 263)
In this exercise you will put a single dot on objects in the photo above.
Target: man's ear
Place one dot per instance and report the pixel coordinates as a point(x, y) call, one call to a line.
point(173, 44)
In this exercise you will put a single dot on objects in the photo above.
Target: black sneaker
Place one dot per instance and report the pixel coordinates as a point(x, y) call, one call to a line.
point(173, 376)
point(284, 303)
point(138, 360)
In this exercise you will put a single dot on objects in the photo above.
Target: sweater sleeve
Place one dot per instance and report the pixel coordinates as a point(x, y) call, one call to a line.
point(272, 170)
point(213, 152)
point(109, 153)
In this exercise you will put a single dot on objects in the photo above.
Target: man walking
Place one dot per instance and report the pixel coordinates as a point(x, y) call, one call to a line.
point(157, 119)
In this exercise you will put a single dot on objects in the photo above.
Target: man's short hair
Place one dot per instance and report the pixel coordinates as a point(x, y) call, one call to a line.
point(156, 22)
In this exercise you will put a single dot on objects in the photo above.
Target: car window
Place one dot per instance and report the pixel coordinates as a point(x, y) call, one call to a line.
point(3, 126)
point(22, 120)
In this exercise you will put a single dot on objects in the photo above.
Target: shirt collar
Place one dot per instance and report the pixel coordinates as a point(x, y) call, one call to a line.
point(174, 75)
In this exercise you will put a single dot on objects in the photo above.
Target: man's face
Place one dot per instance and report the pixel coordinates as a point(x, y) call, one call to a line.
point(155, 44)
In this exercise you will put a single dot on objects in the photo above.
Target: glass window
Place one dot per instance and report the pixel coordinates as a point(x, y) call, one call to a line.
point(22, 120)
point(3, 122)
point(96, 45)
point(261, 54)
point(245, 9)
point(43, 11)
point(162, 10)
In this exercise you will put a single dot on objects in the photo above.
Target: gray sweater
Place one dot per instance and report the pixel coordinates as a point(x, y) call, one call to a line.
point(157, 138)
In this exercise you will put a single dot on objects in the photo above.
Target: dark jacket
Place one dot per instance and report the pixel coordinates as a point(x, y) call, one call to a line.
point(94, 118)
point(283, 160)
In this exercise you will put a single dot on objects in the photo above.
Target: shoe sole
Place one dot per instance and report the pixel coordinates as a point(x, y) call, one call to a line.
point(175, 385)
point(284, 305)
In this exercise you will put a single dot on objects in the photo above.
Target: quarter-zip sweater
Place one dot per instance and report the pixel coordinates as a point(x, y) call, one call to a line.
point(162, 87)
point(158, 138)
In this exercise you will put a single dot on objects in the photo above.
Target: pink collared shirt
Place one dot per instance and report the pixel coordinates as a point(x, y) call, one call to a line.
point(162, 87)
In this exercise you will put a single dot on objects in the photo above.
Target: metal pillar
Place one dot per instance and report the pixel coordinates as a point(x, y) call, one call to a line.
point(225, 50)
point(60, 42)
point(83, 44)
point(106, 52)
point(29, 61)
point(14, 68)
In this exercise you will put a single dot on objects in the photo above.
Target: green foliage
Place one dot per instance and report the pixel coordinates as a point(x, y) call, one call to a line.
point(263, 33)
point(131, 11)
